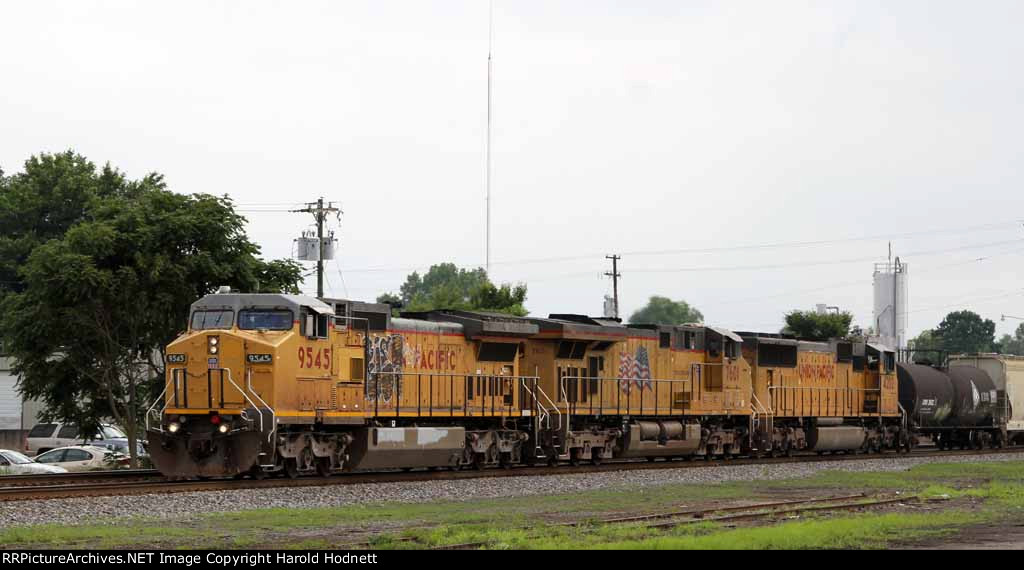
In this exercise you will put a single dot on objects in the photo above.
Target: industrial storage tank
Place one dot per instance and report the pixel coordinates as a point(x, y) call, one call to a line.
point(925, 393)
point(974, 396)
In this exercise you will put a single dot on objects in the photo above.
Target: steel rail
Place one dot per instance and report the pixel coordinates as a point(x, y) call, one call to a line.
point(36, 492)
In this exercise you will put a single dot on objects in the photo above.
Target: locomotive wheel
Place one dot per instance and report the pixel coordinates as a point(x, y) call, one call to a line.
point(505, 461)
point(323, 466)
point(478, 461)
point(291, 468)
point(257, 473)
point(595, 457)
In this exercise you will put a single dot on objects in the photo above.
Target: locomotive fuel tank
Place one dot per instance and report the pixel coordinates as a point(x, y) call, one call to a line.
point(974, 396)
point(835, 438)
point(660, 438)
point(925, 393)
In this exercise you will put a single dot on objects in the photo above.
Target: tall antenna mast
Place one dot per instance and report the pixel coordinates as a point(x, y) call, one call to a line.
point(490, 34)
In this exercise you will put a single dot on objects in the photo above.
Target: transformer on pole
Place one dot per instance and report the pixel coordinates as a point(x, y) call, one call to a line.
point(317, 248)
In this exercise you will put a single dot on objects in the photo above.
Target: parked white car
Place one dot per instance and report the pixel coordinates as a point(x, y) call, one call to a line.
point(15, 463)
point(83, 458)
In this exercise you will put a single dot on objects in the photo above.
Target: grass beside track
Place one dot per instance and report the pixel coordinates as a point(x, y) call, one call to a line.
point(977, 493)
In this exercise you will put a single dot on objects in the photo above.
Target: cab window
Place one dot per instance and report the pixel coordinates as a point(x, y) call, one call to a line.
point(68, 432)
point(265, 319)
point(203, 320)
point(314, 325)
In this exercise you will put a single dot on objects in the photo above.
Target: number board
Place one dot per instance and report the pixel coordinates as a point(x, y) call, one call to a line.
point(260, 358)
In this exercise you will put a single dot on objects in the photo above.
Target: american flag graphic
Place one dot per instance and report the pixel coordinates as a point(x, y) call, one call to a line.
point(636, 368)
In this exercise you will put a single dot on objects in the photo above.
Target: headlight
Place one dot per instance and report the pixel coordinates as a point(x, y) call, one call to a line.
point(223, 428)
point(213, 350)
point(173, 427)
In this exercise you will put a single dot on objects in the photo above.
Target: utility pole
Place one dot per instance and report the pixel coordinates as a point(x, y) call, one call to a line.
point(319, 212)
point(614, 274)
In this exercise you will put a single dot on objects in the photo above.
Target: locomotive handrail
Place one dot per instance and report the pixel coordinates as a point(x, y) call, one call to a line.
point(837, 389)
point(571, 405)
point(273, 414)
point(546, 409)
point(397, 376)
point(153, 405)
point(763, 410)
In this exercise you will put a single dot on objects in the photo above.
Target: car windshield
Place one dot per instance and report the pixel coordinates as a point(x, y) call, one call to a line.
point(111, 432)
point(274, 320)
point(16, 458)
point(202, 320)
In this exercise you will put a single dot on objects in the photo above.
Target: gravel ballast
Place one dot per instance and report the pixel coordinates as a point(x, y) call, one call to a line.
point(184, 505)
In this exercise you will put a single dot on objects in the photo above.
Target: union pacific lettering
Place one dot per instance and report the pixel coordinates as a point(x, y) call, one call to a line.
point(811, 371)
point(432, 359)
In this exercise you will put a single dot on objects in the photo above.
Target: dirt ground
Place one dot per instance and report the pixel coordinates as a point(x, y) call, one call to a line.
point(984, 537)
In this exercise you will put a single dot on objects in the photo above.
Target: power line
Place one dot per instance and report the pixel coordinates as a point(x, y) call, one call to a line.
point(862, 282)
point(818, 263)
point(775, 245)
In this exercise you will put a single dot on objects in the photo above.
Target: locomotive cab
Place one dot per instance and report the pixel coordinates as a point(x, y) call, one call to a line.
point(219, 401)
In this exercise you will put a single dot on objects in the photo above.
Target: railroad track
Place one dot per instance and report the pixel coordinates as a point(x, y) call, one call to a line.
point(672, 519)
point(80, 485)
point(78, 477)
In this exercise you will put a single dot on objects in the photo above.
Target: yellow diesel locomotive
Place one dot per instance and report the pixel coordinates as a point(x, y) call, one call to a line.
point(268, 383)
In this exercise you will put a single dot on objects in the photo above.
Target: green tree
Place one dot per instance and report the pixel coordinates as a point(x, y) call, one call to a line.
point(94, 303)
point(965, 332)
point(817, 326)
point(390, 299)
point(503, 299)
point(1012, 344)
point(665, 311)
point(925, 344)
point(445, 286)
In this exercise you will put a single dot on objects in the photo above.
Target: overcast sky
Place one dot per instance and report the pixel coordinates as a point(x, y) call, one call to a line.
point(637, 128)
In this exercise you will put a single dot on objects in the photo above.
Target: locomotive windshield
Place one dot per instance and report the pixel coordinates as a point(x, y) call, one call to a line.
point(274, 320)
point(202, 320)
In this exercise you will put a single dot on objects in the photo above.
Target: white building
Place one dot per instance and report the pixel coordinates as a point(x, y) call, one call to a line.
point(16, 416)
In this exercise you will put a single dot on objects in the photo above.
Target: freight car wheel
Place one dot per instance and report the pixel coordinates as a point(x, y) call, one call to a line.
point(595, 457)
point(323, 466)
point(257, 473)
point(574, 456)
